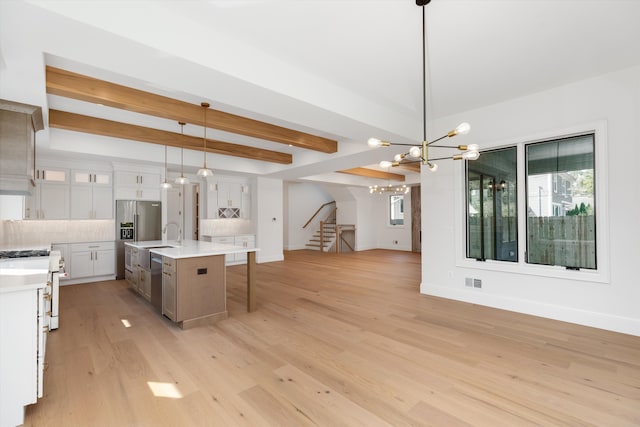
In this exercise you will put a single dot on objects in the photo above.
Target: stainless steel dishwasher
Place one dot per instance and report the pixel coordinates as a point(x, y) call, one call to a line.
point(156, 282)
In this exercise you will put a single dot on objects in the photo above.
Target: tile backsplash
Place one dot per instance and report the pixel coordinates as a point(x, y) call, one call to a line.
point(226, 227)
point(29, 234)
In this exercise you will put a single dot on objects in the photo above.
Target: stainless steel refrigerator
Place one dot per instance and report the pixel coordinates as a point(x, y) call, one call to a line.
point(135, 221)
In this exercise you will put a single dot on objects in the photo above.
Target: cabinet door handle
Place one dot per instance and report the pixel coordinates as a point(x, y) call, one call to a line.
point(44, 175)
point(96, 255)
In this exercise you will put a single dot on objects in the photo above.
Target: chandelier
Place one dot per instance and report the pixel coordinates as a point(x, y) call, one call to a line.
point(384, 189)
point(421, 153)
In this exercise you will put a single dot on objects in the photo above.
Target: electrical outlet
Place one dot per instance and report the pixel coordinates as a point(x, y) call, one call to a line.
point(477, 283)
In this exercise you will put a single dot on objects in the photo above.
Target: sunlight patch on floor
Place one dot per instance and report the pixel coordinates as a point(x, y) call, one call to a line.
point(164, 390)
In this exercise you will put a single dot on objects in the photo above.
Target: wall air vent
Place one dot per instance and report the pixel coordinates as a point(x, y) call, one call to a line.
point(472, 283)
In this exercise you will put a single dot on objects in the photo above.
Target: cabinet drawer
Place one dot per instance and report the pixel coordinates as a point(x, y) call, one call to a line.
point(168, 265)
point(248, 241)
point(227, 240)
point(130, 278)
point(92, 246)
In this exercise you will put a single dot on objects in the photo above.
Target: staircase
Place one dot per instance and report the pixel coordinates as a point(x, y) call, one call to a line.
point(323, 239)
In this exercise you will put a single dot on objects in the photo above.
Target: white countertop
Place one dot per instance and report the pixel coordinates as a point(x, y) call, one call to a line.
point(189, 248)
point(18, 274)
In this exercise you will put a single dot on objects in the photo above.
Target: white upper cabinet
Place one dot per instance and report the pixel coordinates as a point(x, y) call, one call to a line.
point(91, 195)
point(228, 199)
point(50, 197)
point(131, 185)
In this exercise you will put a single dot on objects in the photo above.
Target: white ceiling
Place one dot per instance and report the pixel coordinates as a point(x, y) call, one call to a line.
point(344, 69)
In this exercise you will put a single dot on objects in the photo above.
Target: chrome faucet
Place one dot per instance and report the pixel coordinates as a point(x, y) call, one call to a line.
point(164, 230)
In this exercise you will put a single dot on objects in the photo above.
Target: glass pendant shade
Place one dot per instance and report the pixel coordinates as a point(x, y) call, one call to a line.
point(181, 180)
point(204, 171)
point(165, 184)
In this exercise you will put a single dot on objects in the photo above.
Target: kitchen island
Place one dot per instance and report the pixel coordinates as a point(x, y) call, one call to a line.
point(193, 279)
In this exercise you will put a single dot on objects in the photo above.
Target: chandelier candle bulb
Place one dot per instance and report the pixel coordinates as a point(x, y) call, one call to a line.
point(461, 129)
point(375, 142)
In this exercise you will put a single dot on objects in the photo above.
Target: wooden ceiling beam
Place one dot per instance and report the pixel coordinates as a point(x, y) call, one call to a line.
point(372, 173)
point(79, 123)
point(410, 166)
point(77, 86)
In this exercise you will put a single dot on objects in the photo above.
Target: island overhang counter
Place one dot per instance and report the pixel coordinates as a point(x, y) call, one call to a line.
point(194, 279)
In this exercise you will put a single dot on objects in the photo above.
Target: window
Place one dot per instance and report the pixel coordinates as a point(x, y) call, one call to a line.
point(567, 236)
point(492, 218)
point(396, 210)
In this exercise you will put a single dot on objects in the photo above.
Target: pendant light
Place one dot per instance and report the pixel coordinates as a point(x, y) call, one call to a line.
point(165, 184)
point(182, 179)
point(204, 171)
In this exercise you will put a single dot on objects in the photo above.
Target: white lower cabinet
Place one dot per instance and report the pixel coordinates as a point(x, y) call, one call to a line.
point(23, 330)
point(244, 240)
point(92, 259)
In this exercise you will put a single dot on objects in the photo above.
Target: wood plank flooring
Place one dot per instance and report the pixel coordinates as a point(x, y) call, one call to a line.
point(337, 340)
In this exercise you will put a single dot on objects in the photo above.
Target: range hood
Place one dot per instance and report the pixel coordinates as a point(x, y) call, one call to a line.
point(18, 126)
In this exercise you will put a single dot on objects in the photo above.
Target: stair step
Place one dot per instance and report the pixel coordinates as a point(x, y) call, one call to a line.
point(310, 246)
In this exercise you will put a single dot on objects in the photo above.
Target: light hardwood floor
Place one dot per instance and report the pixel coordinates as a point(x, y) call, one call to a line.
point(337, 340)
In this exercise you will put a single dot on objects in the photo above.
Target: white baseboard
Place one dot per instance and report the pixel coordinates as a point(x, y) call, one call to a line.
point(65, 282)
point(271, 258)
point(625, 325)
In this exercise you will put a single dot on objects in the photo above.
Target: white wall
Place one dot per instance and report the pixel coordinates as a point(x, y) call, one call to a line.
point(366, 238)
point(269, 217)
point(302, 200)
point(368, 212)
point(396, 237)
point(609, 299)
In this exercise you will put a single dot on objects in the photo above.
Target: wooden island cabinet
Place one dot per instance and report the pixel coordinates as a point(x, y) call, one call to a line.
point(194, 288)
